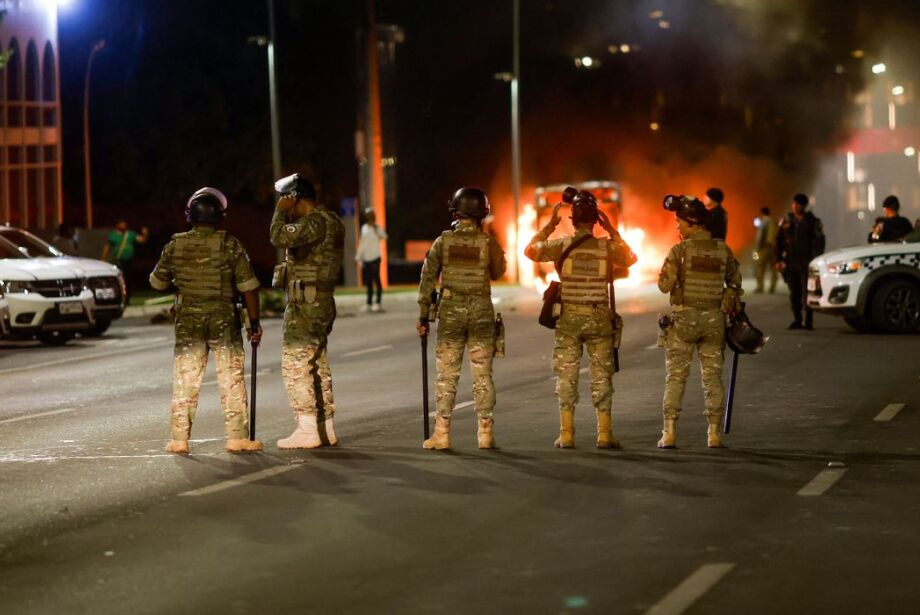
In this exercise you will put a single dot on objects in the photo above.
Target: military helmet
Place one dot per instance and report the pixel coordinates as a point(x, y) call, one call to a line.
point(584, 208)
point(688, 208)
point(742, 336)
point(469, 202)
point(296, 185)
point(206, 206)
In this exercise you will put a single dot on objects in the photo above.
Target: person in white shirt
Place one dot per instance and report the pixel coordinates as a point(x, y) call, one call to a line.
point(368, 254)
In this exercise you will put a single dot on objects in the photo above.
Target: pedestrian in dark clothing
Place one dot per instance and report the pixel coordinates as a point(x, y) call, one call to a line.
point(800, 239)
point(895, 227)
point(718, 219)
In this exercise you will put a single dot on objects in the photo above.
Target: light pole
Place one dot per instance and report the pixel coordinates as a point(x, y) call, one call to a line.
point(269, 43)
point(99, 46)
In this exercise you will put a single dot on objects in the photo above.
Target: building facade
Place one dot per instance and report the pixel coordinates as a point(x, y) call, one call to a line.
point(30, 115)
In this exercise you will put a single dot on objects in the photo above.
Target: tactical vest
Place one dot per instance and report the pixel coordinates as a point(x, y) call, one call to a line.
point(702, 274)
point(202, 269)
point(465, 262)
point(584, 273)
point(319, 265)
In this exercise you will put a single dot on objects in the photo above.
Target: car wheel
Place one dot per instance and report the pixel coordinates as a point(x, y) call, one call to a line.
point(859, 323)
point(896, 307)
point(98, 329)
point(55, 338)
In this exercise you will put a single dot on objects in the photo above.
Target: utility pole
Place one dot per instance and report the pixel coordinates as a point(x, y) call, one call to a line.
point(273, 93)
point(87, 181)
point(516, 133)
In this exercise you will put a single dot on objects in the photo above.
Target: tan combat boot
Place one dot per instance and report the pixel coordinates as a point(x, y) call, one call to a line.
point(180, 447)
point(566, 437)
point(305, 436)
point(605, 437)
point(484, 435)
point(243, 445)
point(714, 433)
point(668, 434)
point(329, 428)
point(440, 441)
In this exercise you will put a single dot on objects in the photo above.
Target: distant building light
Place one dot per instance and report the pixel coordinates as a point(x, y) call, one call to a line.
point(656, 14)
point(839, 69)
point(879, 68)
point(892, 116)
point(851, 167)
point(861, 215)
point(587, 62)
point(654, 126)
point(664, 24)
point(910, 151)
point(870, 197)
point(897, 90)
point(614, 49)
point(624, 48)
point(857, 53)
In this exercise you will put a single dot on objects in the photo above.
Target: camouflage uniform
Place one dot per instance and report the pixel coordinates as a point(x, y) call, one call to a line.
point(586, 319)
point(704, 281)
point(207, 266)
point(314, 247)
point(465, 259)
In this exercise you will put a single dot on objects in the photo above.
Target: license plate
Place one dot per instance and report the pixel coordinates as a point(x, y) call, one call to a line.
point(812, 284)
point(71, 307)
point(105, 293)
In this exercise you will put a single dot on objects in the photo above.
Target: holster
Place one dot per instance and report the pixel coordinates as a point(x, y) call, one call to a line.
point(499, 343)
point(616, 322)
point(279, 276)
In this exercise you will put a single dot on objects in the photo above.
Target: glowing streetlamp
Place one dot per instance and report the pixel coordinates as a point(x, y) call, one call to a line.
point(879, 68)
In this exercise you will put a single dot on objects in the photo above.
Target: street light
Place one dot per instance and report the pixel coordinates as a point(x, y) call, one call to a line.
point(879, 68)
point(99, 46)
point(269, 43)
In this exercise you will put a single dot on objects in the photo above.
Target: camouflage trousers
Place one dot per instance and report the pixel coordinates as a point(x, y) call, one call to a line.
point(466, 321)
point(200, 330)
point(703, 330)
point(304, 358)
point(590, 327)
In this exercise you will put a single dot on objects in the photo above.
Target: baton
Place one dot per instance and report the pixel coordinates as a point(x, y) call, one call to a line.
point(727, 421)
point(252, 396)
point(425, 384)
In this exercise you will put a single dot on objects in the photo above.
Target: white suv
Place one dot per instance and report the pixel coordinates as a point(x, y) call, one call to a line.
point(873, 287)
point(46, 300)
point(104, 279)
point(4, 314)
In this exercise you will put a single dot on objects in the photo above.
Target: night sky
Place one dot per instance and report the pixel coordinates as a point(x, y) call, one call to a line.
point(747, 93)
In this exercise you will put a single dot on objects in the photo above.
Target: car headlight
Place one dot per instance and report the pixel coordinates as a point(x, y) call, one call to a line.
point(844, 267)
point(13, 287)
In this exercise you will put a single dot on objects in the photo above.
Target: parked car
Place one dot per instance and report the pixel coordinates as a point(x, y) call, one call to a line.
point(873, 287)
point(4, 315)
point(105, 280)
point(46, 300)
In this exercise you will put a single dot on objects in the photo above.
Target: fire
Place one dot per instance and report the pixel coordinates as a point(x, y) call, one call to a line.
point(526, 229)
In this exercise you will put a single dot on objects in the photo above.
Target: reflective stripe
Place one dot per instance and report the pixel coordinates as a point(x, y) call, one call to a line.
point(202, 269)
point(702, 272)
point(584, 273)
point(465, 262)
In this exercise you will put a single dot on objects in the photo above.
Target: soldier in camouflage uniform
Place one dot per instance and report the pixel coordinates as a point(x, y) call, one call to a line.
point(313, 238)
point(586, 319)
point(704, 281)
point(208, 267)
point(466, 259)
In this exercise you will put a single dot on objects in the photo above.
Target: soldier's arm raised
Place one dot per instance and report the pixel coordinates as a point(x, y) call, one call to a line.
point(541, 250)
point(667, 278)
point(497, 263)
point(164, 273)
point(300, 232)
point(620, 252)
point(431, 271)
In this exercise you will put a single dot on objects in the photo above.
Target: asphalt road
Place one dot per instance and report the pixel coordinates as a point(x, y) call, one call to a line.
point(813, 509)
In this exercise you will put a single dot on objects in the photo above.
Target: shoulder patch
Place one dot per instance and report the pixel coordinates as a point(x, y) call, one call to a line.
point(290, 228)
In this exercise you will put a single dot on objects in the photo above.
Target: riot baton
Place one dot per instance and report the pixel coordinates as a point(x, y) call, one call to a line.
point(252, 396)
point(727, 421)
point(425, 384)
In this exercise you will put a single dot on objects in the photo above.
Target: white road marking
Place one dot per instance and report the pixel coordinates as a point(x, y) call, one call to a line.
point(37, 415)
point(357, 353)
point(822, 482)
point(890, 411)
point(83, 357)
point(242, 480)
point(465, 404)
point(692, 589)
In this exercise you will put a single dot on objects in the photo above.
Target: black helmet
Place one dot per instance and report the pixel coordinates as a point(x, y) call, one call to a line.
point(469, 202)
point(689, 209)
point(584, 208)
point(296, 185)
point(206, 206)
point(743, 337)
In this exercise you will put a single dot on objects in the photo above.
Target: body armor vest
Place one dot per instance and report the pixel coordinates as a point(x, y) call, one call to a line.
point(319, 265)
point(584, 273)
point(702, 274)
point(202, 268)
point(465, 262)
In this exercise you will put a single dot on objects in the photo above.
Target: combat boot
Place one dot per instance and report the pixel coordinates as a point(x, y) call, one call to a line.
point(242, 445)
point(668, 434)
point(484, 435)
point(180, 447)
point(714, 433)
point(305, 436)
point(329, 428)
point(566, 437)
point(440, 441)
point(605, 437)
